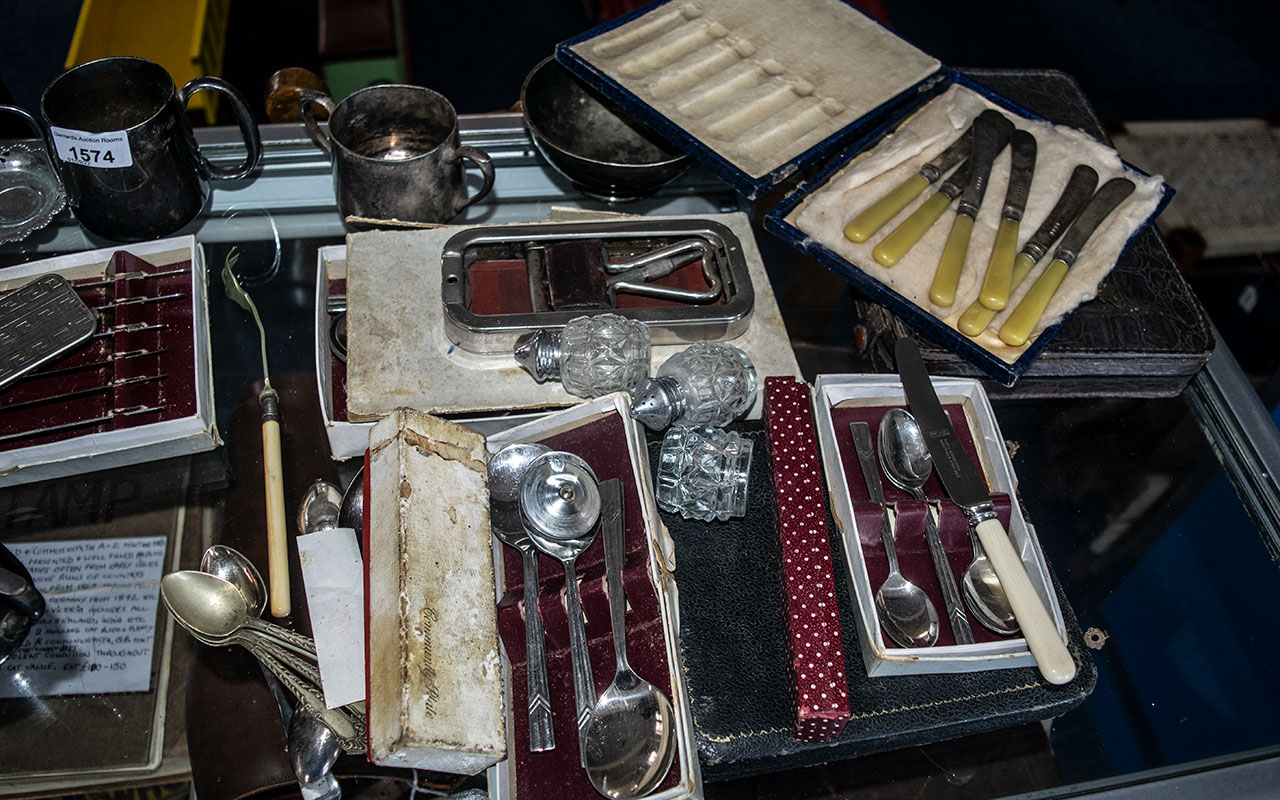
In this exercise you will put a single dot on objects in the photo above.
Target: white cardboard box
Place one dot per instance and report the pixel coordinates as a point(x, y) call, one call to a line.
point(878, 657)
point(175, 437)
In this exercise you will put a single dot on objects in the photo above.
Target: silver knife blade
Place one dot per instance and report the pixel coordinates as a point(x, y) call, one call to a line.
point(1112, 193)
point(955, 469)
point(1080, 186)
point(991, 133)
point(1023, 146)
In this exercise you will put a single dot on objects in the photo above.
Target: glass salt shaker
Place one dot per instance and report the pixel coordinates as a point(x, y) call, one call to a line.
point(702, 473)
point(706, 384)
point(592, 355)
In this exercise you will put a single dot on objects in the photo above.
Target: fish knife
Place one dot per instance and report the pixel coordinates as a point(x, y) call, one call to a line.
point(904, 237)
point(991, 133)
point(998, 281)
point(863, 226)
point(1084, 179)
point(1025, 317)
point(967, 489)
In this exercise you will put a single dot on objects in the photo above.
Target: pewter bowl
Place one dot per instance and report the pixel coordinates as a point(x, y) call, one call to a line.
point(603, 152)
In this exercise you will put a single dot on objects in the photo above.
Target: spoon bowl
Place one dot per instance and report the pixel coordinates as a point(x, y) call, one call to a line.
point(235, 568)
point(351, 511)
point(313, 748)
point(903, 452)
point(319, 509)
point(985, 595)
point(204, 603)
point(629, 740)
point(622, 761)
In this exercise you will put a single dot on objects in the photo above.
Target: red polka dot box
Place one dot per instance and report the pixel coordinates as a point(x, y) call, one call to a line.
point(971, 632)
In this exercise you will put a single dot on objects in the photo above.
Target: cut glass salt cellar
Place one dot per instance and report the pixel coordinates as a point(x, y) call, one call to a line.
point(591, 356)
point(706, 384)
point(702, 473)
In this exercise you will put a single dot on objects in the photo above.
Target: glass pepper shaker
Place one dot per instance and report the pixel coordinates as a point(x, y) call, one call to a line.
point(706, 384)
point(592, 355)
point(702, 473)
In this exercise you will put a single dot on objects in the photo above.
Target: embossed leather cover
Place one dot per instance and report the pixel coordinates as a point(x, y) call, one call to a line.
point(733, 642)
point(1144, 335)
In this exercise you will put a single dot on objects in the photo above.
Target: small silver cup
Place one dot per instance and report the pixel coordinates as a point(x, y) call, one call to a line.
point(396, 154)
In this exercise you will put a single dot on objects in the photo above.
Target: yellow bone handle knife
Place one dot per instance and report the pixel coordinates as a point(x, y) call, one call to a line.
point(977, 317)
point(998, 281)
point(864, 226)
point(1017, 328)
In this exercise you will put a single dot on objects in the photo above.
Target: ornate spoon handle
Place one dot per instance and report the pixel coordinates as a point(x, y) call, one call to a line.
point(584, 688)
point(348, 726)
point(541, 734)
point(304, 645)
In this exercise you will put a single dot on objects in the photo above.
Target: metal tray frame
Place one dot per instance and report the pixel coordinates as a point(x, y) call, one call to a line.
point(667, 324)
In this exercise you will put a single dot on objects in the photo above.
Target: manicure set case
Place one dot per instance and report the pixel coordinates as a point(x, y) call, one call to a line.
point(814, 97)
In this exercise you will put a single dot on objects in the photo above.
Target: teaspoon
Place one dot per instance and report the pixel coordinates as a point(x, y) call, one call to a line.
point(629, 740)
point(905, 611)
point(235, 568)
point(506, 469)
point(906, 460)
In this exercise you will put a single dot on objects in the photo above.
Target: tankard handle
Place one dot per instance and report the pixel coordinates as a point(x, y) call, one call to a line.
point(248, 128)
point(320, 136)
point(481, 159)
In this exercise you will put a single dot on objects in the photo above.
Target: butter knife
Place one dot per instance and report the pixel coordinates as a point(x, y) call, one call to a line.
point(998, 281)
point(991, 133)
point(1084, 179)
point(1017, 328)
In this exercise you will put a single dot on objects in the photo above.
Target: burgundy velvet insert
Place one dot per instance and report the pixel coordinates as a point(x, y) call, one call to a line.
point(499, 287)
point(337, 367)
point(818, 686)
point(909, 542)
point(557, 773)
point(142, 357)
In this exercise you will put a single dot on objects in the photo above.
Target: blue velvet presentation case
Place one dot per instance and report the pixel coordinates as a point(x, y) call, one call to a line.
point(622, 66)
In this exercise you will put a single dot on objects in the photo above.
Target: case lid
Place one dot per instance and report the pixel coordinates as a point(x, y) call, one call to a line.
point(754, 90)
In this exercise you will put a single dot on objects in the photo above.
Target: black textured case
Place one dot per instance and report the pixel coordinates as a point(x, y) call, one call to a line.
point(1145, 334)
point(734, 650)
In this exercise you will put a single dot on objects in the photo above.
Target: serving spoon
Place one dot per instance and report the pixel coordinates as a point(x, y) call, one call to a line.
point(906, 461)
point(629, 739)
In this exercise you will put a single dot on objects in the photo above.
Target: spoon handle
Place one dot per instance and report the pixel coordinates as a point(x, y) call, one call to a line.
point(349, 727)
point(308, 672)
point(541, 734)
point(584, 687)
point(615, 554)
point(947, 580)
point(303, 645)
